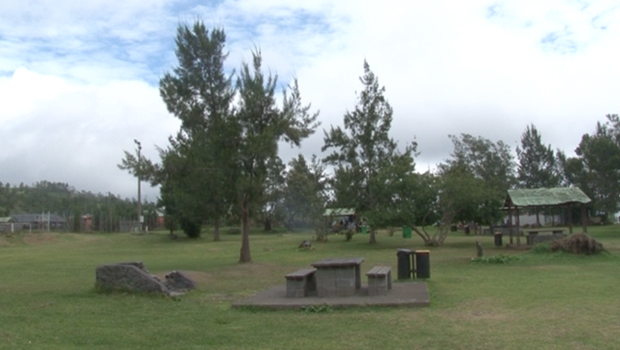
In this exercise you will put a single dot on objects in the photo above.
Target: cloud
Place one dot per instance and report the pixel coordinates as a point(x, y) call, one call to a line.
point(72, 133)
point(80, 78)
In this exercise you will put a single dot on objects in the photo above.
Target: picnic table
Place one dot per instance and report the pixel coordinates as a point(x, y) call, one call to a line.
point(534, 232)
point(338, 276)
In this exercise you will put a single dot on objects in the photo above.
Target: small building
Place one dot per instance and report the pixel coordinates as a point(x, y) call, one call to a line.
point(340, 218)
point(7, 224)
point(519, 200)
point(39, 222)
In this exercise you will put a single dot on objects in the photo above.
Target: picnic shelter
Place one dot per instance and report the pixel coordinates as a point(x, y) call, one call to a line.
point(546, 197)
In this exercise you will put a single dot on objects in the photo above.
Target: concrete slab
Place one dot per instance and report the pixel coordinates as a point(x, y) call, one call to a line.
point(409, 294)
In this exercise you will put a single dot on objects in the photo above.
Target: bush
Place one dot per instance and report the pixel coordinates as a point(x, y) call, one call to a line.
point(541, 248)
point(497, 259)
point(190, 227)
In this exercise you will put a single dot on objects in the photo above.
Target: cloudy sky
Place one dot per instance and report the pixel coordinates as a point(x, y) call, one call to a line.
point(79, 79)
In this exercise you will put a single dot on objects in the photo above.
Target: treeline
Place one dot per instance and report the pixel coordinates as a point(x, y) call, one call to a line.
point(223, 162)
point(109, 213)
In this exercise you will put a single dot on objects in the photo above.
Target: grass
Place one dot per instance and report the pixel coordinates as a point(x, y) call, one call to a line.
point(540, 300)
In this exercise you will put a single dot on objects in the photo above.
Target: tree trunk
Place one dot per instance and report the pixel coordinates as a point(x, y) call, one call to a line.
point(373, 237)
point(216, 230)
point(245, 256)
point(267, 225)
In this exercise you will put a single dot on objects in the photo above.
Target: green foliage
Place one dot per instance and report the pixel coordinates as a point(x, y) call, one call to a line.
point(64, 200)
point(197, 173)
point(538, 166)
point(474, 181)
point(304, 195)
point(192, 228)
point(497, 259)
point(541, 248)
point(317, 309)
point(596, 169)
point(367, 163)
point(262, 124)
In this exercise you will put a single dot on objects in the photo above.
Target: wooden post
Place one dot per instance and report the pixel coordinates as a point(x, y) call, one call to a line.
point(584, 219)
point(518, 227)
point(570, 218)
point(510, 220)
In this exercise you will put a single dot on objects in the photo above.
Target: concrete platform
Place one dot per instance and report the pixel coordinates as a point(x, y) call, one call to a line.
point(408, 294)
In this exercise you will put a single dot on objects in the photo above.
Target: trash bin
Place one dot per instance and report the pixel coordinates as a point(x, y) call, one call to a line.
point(498, 239)
point(406, 232)
point(530, 238)
point(404, 263)
point(364, 229)
point(466, 229)
point(422, 264)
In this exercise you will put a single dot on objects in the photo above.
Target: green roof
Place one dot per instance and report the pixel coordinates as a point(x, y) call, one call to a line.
point(339, 212)
point(6, 219)
point(538, 197)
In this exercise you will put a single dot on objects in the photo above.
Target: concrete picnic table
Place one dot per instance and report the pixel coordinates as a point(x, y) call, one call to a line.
point(338, 276)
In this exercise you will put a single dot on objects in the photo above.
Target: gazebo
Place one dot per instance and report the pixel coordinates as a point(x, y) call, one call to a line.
point(546, 197)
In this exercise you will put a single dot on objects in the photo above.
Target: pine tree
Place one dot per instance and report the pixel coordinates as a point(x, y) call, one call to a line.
point(262, 124)
point(363, 150)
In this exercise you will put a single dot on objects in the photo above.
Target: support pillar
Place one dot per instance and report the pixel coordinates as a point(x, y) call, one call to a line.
point(570, 219)
point(584, 218)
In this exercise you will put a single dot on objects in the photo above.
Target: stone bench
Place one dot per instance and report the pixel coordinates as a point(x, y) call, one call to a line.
point(533, 236)
point(300, 283)
point(379, 280)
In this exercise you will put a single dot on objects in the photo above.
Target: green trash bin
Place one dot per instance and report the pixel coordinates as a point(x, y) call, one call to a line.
point(364, 229)
point(406, 232)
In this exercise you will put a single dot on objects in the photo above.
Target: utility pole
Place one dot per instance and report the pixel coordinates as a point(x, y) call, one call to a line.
point(139, 173)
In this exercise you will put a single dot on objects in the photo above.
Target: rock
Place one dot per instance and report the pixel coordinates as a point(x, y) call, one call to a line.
point(305, 244)
point(178, 282)
point(128, 277)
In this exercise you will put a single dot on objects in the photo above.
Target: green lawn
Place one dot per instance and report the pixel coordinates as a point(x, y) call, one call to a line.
point(543, 301)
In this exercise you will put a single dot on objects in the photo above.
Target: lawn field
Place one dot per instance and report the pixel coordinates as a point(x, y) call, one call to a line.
point(540, 301)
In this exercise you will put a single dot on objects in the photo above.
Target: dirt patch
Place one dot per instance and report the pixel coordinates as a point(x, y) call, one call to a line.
point(39, 238)
point(244, 270)
point(4, 242)
point(480, 309)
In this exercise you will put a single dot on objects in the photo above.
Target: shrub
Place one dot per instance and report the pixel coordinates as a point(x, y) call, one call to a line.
point(497, 259)
point(190, 227)
point(541, 248)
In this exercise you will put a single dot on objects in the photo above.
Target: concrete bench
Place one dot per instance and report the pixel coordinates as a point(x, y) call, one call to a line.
point(379, 280)
point(300, 283)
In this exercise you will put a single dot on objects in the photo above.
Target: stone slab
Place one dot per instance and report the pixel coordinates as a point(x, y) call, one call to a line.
point(402, 294)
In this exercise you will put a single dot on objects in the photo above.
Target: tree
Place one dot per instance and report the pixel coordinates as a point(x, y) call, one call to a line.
point(537, 167)
point(198, 169)
point(475, 180)
point(364, 152)
point(304, 194)
point(272, 208)
point(262, 124)
point(596, 169)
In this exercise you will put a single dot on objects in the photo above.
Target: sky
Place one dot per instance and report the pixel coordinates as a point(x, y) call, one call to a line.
point(79, 79)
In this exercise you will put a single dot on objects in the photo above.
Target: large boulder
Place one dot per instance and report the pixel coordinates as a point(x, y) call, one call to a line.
point(129, 277)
